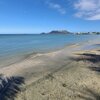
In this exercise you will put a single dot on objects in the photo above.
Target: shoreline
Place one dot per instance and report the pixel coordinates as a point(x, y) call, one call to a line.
point(34, 60)
point(20, 57)
point(14, 50)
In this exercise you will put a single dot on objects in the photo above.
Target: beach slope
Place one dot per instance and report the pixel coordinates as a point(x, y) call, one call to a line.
point(67, 74)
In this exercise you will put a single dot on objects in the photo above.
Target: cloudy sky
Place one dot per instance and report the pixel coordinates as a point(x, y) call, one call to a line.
point(34, 16)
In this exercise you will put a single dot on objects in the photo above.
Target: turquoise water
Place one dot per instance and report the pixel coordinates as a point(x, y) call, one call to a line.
point(16, 46)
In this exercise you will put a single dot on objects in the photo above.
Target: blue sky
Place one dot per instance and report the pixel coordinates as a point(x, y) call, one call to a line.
point(35, 16)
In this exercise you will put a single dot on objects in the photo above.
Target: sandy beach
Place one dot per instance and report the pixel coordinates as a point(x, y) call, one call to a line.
point(49, 49)
point(71, 73)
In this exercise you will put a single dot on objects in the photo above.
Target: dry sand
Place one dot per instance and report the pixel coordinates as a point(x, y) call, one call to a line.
point(65, 74)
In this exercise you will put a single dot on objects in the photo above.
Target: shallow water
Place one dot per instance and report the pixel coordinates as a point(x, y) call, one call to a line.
point(15, 47)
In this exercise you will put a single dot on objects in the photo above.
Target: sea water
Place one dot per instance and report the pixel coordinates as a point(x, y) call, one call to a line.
point(13, 47)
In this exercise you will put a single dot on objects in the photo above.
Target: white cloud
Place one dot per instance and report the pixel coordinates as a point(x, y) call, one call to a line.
point(57, 7)
point(88, 9)
point(96, 17)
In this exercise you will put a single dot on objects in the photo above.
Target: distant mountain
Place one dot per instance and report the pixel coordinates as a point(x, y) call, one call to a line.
point(58, 32)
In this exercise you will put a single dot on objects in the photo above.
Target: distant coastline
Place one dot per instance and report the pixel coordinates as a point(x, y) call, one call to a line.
point(67, 32)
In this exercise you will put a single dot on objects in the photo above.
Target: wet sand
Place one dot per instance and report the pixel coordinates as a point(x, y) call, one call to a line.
point(71, 73)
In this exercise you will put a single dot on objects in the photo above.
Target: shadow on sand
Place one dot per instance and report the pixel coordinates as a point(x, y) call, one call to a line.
point(10, 87)
point(89, 94)
point(92, 58)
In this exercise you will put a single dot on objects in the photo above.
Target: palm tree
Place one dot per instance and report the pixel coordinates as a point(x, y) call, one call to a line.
point(10, 86)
